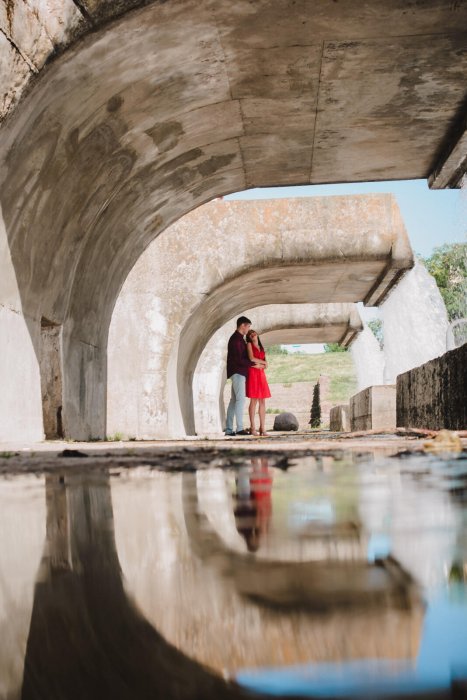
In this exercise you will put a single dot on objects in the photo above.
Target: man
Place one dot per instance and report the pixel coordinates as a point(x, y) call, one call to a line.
point(237, 370)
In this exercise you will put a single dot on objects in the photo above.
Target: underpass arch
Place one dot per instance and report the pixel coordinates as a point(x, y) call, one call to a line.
point(265, 251)
point(104, 150)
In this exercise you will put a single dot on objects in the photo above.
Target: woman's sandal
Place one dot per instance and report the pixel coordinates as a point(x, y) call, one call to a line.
point(263, 433)
point(253, 431)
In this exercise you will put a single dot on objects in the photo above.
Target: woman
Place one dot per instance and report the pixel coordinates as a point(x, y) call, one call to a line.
point(257, 388)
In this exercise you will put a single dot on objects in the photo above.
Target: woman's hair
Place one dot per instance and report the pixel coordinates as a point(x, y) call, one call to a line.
point(249, 340)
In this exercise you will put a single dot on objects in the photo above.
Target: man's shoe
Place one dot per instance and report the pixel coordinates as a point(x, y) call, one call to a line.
point(229, 433)
point(242, 432)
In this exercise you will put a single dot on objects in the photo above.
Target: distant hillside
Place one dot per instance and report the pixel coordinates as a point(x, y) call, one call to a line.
point(291, 368)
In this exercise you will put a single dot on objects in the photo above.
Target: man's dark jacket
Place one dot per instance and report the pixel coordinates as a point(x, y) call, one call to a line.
point(237, 356)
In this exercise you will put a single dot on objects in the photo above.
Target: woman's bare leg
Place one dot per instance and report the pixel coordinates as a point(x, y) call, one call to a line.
point(251, 413)
point(262, 416)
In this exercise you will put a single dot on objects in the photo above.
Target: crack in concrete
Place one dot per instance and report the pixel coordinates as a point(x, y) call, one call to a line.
point(25, 58)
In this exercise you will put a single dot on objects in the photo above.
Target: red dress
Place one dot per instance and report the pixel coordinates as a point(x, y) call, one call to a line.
point(256, 382)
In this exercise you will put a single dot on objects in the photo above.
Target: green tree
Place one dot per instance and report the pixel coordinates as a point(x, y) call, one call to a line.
point(315, 414)
point(448, 265)
point(334, 347)
point(376, 326)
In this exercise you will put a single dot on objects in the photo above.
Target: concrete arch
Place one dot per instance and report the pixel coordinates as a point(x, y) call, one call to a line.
point(105, 150)
point(320, 266)
point(277, 324)
point(316, 247)
point(406, 68)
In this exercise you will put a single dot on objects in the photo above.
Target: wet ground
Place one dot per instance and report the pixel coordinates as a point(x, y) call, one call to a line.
point(309, 566)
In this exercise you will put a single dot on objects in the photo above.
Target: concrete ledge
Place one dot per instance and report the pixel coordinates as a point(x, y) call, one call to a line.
point(374, 408)
point(434, 395)
point(339, 418)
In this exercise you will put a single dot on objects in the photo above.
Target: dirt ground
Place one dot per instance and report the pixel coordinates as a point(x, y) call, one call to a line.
point(293, 398)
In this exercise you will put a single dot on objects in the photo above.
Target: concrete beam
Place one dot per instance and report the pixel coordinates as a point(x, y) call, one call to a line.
point(452, 165)
point(322, 323)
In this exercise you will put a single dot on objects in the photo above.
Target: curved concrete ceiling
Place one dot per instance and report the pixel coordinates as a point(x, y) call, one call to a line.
point(165, 107)
point(374, 89)
point(108, 149)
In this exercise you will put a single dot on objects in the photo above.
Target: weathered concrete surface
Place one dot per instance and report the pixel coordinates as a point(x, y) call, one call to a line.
point(249, 253)
point(415, 323)
point(51, 380)
point(276, 324)
point(339, 418)
point(106, 150)
point(284, 63)
point(434, 395)
point(374, 408)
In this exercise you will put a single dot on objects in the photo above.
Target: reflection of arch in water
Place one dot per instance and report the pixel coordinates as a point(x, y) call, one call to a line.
point(213, 621)
point(318, 586)
point(86, 638)
point(82, 612)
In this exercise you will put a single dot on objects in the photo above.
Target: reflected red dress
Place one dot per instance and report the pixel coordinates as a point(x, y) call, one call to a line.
point(256, 383)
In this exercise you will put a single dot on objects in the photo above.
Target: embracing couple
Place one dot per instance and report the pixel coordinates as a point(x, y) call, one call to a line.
point(246, 362)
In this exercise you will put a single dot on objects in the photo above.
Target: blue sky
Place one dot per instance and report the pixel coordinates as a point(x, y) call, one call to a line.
point(432, 217)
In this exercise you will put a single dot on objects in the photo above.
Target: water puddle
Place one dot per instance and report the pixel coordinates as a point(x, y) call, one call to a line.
point(339, 575)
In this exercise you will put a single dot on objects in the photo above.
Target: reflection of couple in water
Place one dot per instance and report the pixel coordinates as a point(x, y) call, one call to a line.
point(253, 504)
point(246, 362)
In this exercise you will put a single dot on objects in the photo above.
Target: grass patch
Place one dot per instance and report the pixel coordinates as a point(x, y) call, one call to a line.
point(274, 410)
point(339, 366)
point(342, 387)
point(117, 437)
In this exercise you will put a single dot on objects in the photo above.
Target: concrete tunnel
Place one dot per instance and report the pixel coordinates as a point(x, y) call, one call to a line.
point(101, 151)
point(308, 251)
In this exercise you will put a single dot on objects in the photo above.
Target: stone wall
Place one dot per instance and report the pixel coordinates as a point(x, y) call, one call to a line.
point(434, 395)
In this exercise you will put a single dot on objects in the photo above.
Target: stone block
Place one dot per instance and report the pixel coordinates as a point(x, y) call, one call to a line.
point(374, 408)
point(285, 421)
point(434, 395)
point(339, 418)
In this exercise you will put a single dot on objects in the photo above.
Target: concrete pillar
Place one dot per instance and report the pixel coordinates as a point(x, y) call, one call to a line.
point(374, 408)
point(339, 418)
